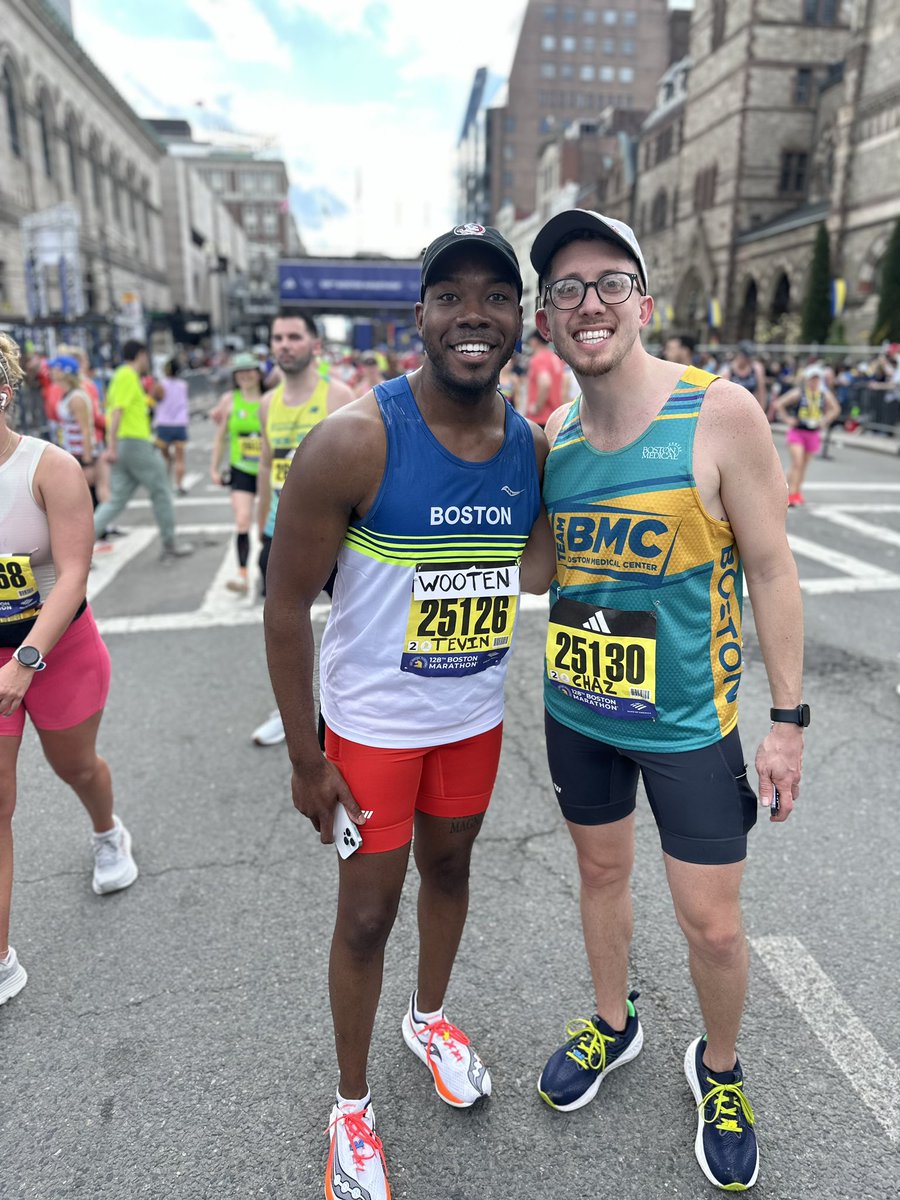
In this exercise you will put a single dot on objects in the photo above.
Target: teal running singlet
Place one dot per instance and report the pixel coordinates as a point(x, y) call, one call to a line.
point(644, 644)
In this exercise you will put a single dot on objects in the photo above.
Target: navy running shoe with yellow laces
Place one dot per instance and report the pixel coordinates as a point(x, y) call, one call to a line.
point(725, 1145)
point(574, 1073)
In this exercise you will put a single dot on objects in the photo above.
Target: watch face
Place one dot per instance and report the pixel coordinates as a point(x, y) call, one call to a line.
point(28, 656)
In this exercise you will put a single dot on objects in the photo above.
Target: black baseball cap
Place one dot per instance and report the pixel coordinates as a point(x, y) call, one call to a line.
point(485, 235)
point(576, 220)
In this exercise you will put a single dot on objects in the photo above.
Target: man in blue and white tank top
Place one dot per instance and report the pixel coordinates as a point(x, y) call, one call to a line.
point(663, 490)
point(427, 493)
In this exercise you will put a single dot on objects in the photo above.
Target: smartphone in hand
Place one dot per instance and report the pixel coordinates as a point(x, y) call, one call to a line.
point(347, 837)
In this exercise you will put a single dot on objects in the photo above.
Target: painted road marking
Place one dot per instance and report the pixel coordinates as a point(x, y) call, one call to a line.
point(873, 1075)
point(840, 516)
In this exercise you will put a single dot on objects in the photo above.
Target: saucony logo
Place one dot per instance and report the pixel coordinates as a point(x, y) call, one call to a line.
point(510, 492)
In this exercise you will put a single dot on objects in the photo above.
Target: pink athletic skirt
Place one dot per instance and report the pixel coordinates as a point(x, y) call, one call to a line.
point(73, 686)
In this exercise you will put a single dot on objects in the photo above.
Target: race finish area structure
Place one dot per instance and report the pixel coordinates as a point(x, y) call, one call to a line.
point(377, 294)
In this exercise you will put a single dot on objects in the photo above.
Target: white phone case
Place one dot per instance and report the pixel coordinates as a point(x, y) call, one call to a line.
point(347, 836)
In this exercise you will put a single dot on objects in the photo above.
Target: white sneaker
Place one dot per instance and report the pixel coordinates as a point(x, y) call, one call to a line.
point(271, 732)
point(356, 1167)
point(460, 1077)
point(13, 977)
point(114, 867)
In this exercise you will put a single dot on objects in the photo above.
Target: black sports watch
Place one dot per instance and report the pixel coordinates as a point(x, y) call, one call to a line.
point(31, 657)
point(791, 716)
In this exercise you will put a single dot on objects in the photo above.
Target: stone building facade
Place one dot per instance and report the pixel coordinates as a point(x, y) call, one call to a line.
point(72, 149)
point(783, 115)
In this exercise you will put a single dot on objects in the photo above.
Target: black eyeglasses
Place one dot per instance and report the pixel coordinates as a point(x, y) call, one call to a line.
point(613, 288)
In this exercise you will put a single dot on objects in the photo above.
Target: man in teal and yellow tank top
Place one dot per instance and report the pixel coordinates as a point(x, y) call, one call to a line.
point(664, 491)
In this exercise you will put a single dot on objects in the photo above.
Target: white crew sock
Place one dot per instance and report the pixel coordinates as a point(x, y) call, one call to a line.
point(428, 1018)
point(353, 1105)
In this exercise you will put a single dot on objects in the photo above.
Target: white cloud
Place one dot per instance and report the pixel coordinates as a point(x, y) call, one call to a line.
point(390, 160)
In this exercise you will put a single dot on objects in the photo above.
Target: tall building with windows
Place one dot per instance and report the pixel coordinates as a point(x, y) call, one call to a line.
point(572, 61)
point(251, 181)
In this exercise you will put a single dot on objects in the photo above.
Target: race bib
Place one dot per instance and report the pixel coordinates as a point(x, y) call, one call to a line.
point(281, 464)
point(20, 599)
point(604, 658)
point(250, 445)
point(461, 617)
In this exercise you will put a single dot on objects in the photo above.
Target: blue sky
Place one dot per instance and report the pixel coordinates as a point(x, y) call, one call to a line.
point(363, 99)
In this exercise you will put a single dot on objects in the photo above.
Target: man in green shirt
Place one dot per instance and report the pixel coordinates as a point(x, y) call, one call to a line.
point(131, 451)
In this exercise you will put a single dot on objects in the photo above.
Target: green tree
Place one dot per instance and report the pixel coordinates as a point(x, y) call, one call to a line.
point(887, 323)
point(817, 302)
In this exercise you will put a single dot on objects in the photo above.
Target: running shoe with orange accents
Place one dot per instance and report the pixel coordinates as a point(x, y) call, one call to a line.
point(356, 1167)
point(460, 1077)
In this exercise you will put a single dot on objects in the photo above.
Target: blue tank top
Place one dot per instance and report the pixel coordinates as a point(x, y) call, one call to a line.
point(644, 645)
point(426, 597)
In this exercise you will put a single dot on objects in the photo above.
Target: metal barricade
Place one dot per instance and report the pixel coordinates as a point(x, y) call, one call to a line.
point(879, 408)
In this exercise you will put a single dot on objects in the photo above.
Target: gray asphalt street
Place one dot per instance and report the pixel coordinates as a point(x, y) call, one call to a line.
point(174, 1040)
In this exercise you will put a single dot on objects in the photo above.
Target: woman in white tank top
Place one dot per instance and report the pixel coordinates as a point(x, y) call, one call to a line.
point(53, 665)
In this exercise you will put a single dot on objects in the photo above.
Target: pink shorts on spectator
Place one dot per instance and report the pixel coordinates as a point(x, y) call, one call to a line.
point(73, 686)
point(809, 439)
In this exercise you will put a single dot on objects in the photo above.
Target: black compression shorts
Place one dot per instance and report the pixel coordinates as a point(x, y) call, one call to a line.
point(702, 801)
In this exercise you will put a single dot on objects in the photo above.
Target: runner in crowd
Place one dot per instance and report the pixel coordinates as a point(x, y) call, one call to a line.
point(679, 348)
point(806, 408)
point(427, 488)
point(287, 414)
point(171, 417)
point(130, 450)
point(74, 416)
point(240, 425)
point(746, 370)
point(370, 373)
point(663, 487)
point(53, 664)
point(545, 381)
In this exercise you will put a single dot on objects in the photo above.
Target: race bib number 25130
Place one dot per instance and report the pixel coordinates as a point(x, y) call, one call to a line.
point(461, 617)
point(604, 658)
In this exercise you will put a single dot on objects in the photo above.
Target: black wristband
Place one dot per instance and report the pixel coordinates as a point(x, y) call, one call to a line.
point(791, 716)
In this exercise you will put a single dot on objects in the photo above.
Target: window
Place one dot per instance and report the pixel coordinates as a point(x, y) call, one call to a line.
point(793, 171)
point(96, 176)
point(509, 152)
point(705, 188)
point(548, 42)
point(587, 73)
point(626, 75)
point(609, 45)
point(629, 17)
point(72, 153)
point(659, 212)
point(509, 124)
point(567, 71)
point(550, 13)
point(114, 187)
point(588, 45)
point(820, 12)
point(718, 24)
point(610, 16)
point(627, 46)
point(251, 220)
point(12, 112)
point(589, 16)
point(569, 44)
point(664, 144)
point(607, 74)
point(570, 15)
point(548, 70)
point(44, 120)
point(248, 181)
point(217, 181)
point(270, 222)
point(803, 85)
